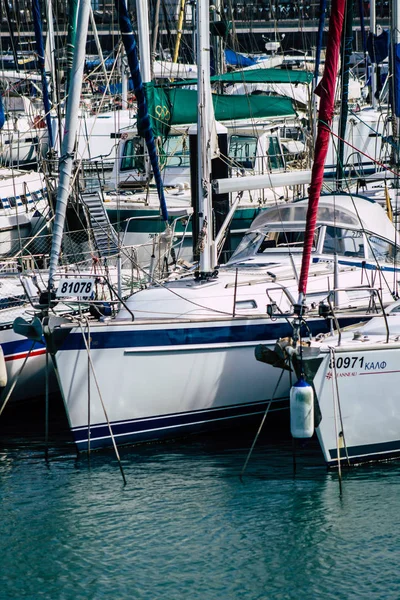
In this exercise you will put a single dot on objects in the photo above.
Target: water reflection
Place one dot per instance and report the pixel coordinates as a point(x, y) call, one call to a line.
point(186, 527)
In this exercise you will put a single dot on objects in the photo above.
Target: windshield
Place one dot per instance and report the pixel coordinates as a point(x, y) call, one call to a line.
point(175, 152)
point(243, 150)
point(346, 242)
point(133, 155)
point(383, 251)
point(248, 246)
point(257, 242)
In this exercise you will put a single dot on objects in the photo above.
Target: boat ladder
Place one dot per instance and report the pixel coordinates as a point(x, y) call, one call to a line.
point(104, 234)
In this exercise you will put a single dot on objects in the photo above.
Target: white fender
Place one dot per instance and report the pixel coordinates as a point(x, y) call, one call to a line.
point(302, 410)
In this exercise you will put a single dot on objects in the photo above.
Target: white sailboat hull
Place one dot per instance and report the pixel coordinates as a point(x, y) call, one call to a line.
point(168, 379)
point(364, 423)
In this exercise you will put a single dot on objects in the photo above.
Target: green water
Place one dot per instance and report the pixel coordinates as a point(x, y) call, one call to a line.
point(186, 527)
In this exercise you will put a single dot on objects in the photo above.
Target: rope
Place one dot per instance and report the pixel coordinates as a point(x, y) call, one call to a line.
point(261, 426)
point(102, 404)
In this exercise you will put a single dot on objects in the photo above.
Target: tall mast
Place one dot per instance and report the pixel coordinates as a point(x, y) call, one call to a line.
point(144, 40)
point(50, 49)
point(70, 130)
point(37, 24)
point(204, 129)
point(395, 33)
point(372, 29)
point(347, 50)
point(179, 30)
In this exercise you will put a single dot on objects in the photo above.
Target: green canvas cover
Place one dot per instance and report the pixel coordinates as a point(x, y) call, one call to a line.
point(174, 106)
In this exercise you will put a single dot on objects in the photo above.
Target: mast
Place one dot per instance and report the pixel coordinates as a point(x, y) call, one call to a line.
point(70, 130)
point(155, 28)
point(144, 40)
point(326, 92)
point(321, 25)
point(179, 30)
point(37, 24)
point(204, 134)
point(50, 48)
point(372, 29)
point(395, 33)
point(347, 50)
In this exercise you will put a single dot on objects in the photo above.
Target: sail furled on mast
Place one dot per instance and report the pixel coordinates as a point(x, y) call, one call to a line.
point(37, 24)
point(326, 92)
point(144, 123)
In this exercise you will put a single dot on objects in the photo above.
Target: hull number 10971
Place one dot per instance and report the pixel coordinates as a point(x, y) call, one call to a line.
point(348, 362)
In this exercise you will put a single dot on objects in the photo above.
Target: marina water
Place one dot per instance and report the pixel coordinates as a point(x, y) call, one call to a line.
point(186, 527)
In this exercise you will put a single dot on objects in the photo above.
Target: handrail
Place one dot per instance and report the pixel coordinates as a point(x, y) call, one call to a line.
point(374, 292)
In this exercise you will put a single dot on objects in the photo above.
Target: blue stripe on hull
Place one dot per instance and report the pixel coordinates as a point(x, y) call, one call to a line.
point(197, 335)
point(367, 452)
point(172, 425)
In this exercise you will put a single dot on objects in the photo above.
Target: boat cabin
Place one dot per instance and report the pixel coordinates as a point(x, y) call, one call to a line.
point(352, 227)
point(252, 149)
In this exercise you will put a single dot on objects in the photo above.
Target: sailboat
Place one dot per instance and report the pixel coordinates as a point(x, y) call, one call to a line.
point(354, 372)
point(178, 357)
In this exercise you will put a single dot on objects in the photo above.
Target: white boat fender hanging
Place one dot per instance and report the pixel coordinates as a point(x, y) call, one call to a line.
point(3, 369)
point(301, 409)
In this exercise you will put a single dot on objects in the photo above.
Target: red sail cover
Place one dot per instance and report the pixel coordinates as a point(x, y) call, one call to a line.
point(326, 91)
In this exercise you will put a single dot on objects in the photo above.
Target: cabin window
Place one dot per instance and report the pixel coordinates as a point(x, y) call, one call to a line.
point(286, 239)
point(23, 199)
point(175, 152)
point(275, 159)
point(291, 133)
point(245, 304)
point(382, 250)
point(12, 202)
point(248, 246)
point(242, 151)
point(133, 155)
point(346, 242)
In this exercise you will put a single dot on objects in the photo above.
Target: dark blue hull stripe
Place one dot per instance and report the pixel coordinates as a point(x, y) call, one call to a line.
point(368, 452)
point(138, 338)
point(20, 347)
point(359, 264)
point(172, 425)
